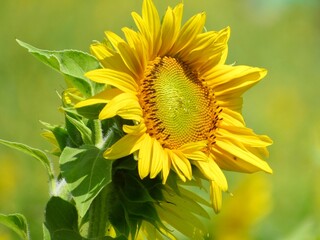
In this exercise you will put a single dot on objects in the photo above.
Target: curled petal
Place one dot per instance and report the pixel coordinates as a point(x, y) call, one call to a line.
point(102, 97)
point(124, 147)
point(125, 105)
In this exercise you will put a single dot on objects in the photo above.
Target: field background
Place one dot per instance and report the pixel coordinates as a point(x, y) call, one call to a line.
point(280, 35)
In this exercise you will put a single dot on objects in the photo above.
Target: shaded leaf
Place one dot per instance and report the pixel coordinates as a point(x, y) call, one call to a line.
point(17, 223)
point(73, 132)
point(82, 128)
point(61, 220)
point(86, 173)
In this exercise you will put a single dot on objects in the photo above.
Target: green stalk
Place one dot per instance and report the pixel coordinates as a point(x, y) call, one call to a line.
point(98, 139)
point(98, 212)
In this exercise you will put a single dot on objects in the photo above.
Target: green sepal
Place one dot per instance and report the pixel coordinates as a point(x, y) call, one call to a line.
point(73, 64)
point(16, 222)
point(61, 135)
point(79, 125)
point(61, 220)
point(86, 173)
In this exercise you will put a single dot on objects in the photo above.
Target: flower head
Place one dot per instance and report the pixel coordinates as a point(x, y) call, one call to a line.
point(183, 99)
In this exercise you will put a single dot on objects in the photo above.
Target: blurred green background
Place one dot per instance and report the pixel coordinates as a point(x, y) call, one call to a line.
point(280, 35)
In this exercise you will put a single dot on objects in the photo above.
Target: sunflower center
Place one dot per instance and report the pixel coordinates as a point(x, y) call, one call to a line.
point(178, 107)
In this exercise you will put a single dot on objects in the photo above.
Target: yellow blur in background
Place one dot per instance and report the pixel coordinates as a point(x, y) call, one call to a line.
point(282, 36)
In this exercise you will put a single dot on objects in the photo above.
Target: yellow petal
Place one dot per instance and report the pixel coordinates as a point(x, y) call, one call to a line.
point(170, 28)
point(177, 13)
point(167, 32)
point(207, 49)
point(125, 105)
point(181, 165)
point(233, 80)
point(144, 30)
point(157, 159)
point(216, 197)
point(226, 161)
point(109, 58)
point(124, 147)
point(231, 118)
point(166, 165)
point(244, 136)
point(151, 17)
point(212, 172)
point(193, 146)
point(114, 39)
point(137, 42)
point(135, 129)
point(194, 150)
point(241, 154)
point(131, 59)
point(114, 78)
point(218, 51)
point(102, 97)
point(188, 32)
point(233, 103)
point(128, 55)
point(145, 156)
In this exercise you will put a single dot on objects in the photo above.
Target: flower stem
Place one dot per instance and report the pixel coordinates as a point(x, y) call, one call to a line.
point(98, 139)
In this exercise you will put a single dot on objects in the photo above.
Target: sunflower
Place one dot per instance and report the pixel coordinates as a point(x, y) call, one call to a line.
point(183, 100)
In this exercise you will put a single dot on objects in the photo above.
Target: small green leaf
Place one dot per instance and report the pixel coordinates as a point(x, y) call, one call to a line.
point(17, 223)
point(36, 153)
point(86, 172)
point(72, 131)
point(61, 220)
point(85, 132)
point(60, 134)
point(72, 64)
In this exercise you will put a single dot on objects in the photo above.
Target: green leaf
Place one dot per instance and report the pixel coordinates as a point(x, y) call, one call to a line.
point(86, 172)
point(73, 132)
point(133, 190)
point(17, 223)
point(85, 132)
point(72, 64)
point(61, 220)
point(36, 153)
point(60, 134)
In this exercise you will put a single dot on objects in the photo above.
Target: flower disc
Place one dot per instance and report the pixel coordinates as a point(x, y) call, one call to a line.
point(178, 107)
